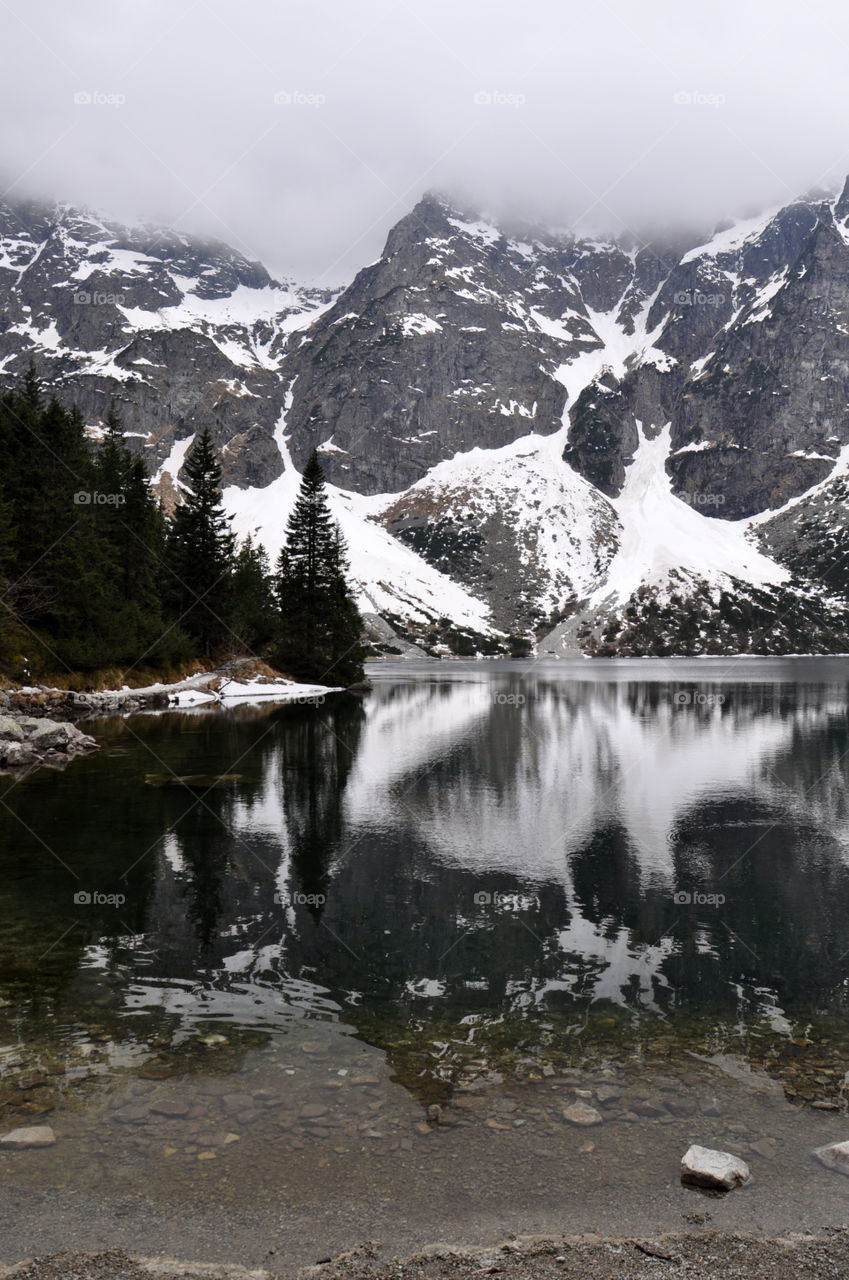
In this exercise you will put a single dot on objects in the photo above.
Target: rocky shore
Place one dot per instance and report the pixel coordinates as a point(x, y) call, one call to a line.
point(37, 724)
point(68, 705)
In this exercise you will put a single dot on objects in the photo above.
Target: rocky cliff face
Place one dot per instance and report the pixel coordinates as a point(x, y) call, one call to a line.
point(642, 446)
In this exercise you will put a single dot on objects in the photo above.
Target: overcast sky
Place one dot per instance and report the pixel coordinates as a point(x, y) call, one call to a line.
point(300, 130)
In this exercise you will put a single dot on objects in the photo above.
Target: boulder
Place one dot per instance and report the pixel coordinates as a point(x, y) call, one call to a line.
point(835, 1157)
point(52, 733)
point(17, 755)
point(10, 730)
point(40, 1135)
point(717, 1170)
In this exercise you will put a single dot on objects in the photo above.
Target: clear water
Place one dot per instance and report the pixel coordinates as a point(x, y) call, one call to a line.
point(495, 888)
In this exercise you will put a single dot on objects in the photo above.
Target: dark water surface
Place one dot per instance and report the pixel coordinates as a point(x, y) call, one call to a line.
point(488, 888)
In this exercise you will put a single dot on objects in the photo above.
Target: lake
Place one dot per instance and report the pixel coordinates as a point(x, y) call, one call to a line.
point(298, 976)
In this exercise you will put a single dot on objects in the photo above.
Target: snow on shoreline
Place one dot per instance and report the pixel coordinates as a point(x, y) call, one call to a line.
point(241, 692)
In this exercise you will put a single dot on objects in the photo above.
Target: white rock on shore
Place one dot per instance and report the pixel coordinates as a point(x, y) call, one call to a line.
point(717, 1170)
point(835, 1156)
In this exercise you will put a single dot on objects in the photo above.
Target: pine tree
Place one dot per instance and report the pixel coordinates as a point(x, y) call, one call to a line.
point(200, 551)
point(320, 626)
point(81, 543)
point(132, 533)
point(253, 619)
point(7, 574)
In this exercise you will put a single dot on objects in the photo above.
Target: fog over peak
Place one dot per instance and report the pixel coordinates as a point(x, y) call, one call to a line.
point(300, 131)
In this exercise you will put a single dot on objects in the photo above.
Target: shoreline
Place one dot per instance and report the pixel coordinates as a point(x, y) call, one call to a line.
point(711, 1255)
point(38, 724)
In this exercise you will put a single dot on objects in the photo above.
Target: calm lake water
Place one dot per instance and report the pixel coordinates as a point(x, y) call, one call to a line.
point(489, 888)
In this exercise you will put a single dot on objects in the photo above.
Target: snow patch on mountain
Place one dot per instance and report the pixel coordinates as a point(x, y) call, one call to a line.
point(662, 534)
point(732, 239)
point(175, 459)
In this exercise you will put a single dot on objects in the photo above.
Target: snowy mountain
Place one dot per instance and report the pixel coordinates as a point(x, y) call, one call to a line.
point(176, 332)
point(602, 445)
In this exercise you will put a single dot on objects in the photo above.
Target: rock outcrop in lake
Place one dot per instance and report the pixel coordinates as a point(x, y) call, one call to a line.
point(29, 741)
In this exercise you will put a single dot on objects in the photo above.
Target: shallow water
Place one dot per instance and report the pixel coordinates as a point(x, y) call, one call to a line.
point(489, 888)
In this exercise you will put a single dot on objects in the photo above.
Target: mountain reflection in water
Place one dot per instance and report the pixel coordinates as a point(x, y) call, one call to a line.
point(469, 846)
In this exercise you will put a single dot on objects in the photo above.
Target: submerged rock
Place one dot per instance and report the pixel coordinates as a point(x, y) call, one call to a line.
point(607, 1094)
point(580, 1114)
point(716, 1170)
point(40, 1135)
point(194, 781)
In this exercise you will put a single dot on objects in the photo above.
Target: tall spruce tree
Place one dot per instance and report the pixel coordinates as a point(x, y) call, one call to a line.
point(320, 626)
point(200, 550)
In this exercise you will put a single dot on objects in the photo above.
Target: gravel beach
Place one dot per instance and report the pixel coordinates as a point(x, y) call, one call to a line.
point(709, 1256)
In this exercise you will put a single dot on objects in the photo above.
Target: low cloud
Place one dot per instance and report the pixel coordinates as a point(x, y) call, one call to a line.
point(301, 130)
